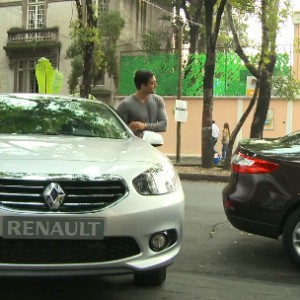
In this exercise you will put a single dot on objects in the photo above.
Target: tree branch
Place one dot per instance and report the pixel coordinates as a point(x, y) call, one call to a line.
point(220, 11)
point(79, 10)
point(239, 50)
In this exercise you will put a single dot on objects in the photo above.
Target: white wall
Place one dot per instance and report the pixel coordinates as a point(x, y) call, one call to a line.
point(9, 17)
point(60, 14)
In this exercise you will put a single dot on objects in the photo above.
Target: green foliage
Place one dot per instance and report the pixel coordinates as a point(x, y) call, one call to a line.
point(110, 25)
point(286, 86)
point(230, 73)
point(225, 38)
point(81, 37)
point(160, 39)
point(151, 42)
point(285, 11)
point(76, 72)
point(104, 38)
point(156, 41)
point(243, 6)
point(49, 79)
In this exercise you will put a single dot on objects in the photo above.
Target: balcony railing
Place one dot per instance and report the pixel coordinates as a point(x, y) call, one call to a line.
point(32, 35)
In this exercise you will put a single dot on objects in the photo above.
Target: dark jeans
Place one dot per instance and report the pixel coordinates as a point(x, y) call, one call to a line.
point(224, 150)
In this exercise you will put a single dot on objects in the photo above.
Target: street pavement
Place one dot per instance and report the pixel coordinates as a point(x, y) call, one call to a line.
point(216, 262)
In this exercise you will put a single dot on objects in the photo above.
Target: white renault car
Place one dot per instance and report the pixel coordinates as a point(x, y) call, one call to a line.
point(81, 195)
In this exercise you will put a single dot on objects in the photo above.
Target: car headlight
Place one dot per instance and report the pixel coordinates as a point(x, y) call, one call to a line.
point(160, 179)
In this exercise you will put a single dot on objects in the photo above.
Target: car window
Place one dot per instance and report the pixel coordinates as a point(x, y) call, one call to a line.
point(66, 116)
point(292, 138)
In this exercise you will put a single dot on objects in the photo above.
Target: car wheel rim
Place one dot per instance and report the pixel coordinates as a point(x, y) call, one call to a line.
point(296, 239)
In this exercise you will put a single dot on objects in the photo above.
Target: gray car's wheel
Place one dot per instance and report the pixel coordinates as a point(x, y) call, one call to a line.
point(291, 236)
point(151, 278)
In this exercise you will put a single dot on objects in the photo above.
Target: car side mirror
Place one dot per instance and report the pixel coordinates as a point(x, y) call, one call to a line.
point(154, 138)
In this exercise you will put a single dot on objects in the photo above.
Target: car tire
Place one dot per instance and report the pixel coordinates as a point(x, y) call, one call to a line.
point(291, 236)
point(151, 278)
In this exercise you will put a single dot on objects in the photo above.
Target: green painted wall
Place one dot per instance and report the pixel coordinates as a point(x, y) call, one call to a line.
point(230, 73)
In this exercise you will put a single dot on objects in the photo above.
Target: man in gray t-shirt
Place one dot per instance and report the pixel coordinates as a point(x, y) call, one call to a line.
point(144, 110)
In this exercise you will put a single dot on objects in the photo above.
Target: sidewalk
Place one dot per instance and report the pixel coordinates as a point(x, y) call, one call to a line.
point(186, 160)
point(190, 168)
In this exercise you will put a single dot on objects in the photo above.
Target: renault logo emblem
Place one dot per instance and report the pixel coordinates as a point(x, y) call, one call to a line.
point(54, 195)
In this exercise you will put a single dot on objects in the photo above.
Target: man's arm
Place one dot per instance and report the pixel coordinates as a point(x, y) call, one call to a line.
point(162, 118)
point(123, 112)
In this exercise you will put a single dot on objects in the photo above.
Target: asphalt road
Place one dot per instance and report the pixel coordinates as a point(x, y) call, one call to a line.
point(216, 262)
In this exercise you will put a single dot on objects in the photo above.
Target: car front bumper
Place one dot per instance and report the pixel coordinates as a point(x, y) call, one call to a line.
point(134, 217)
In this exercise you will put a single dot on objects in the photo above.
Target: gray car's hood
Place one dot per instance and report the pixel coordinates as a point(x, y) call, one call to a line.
point(75, 155)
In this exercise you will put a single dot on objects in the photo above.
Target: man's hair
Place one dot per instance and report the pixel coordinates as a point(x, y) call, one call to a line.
point(142, 77)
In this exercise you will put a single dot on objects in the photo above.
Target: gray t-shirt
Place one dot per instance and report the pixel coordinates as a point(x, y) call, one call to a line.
point(152, 112)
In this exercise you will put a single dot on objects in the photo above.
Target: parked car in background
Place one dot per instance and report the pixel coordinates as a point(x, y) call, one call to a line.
point(81, 195)
point(263, 195)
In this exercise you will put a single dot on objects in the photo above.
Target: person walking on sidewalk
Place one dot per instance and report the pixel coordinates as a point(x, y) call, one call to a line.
point(225, 140)
point(144, 110)
point(215, 134)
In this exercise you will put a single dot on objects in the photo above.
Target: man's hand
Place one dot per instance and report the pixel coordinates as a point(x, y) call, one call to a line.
point(137, 126)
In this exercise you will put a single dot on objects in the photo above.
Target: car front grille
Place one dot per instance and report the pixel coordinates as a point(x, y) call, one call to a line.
point(62, 251)
point(80, 195)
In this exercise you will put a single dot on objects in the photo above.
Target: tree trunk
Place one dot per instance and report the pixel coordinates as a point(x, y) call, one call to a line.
point(208, 81)
point(89, 24)
point(193, 38)
point(208, 91)
point(258, 123)
point(85, 86)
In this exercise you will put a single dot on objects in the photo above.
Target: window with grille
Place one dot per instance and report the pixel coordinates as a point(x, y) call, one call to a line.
point(100, 6)
point(36, 14)
point(103, 6)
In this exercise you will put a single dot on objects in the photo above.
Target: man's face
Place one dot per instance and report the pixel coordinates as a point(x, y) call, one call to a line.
point(150, 87)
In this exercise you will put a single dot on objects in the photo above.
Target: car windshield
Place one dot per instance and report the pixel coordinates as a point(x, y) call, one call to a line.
point(54, 115)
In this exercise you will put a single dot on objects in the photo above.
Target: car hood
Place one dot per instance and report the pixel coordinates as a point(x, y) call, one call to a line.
point(75, 155)
point(272, 148)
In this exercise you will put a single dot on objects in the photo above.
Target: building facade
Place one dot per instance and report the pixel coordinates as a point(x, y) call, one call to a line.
point(32, 29)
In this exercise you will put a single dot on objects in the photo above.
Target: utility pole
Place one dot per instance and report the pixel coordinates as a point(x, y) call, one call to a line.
point(179, 91)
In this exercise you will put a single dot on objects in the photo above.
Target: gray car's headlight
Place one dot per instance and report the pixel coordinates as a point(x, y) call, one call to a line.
point(160, 179)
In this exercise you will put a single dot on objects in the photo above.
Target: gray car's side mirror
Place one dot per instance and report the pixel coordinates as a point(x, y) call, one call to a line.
point(154, 138)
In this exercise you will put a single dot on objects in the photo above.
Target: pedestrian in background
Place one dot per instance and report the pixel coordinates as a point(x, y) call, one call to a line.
point(215, 134)
point(225, 140)
point(144, 110)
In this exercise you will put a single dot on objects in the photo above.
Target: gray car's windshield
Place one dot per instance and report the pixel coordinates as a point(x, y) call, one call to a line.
point(35, 114)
